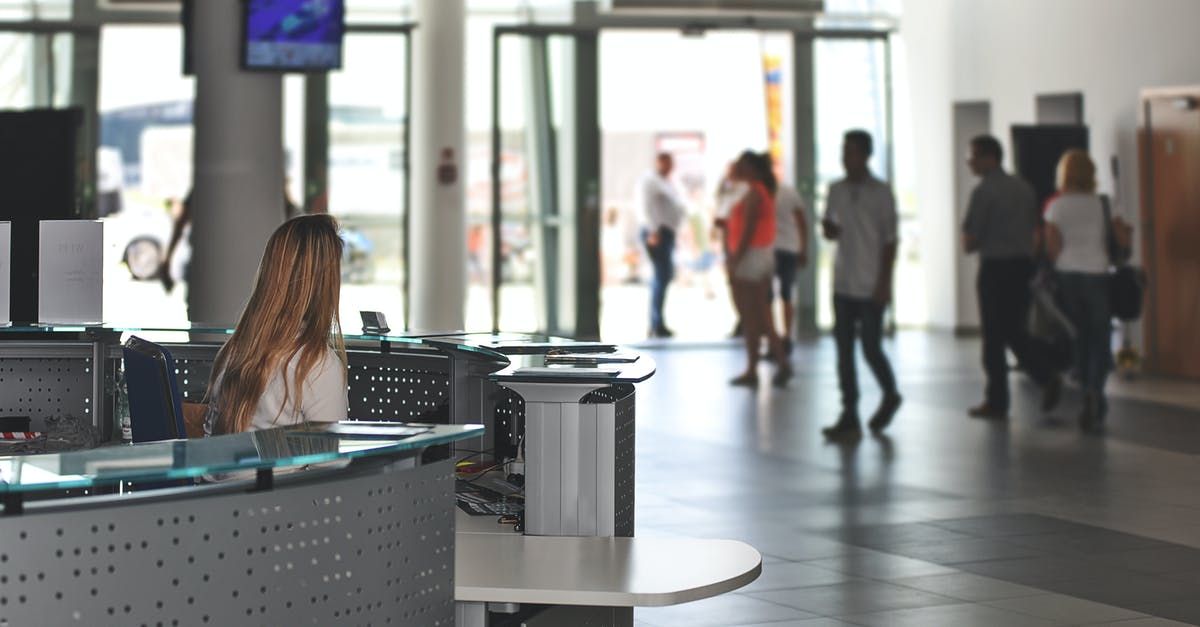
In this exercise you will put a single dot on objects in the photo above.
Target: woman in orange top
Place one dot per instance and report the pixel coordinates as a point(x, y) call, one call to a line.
point(750, 257)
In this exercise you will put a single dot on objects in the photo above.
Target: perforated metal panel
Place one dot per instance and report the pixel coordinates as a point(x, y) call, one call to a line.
point(399, 386)
point(46, 387)
point(623, 402)
point(508, 418)
point(395, 386)
point(371, 545)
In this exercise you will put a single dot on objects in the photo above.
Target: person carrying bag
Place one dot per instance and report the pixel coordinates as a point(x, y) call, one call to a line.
point(1126, 283)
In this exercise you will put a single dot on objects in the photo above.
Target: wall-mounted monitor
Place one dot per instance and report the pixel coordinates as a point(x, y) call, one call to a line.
point(293, 35)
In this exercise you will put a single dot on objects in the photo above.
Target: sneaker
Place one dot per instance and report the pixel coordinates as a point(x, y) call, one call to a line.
point(987, 412)
point(1051, 393)
point(846, 427)
point(886, 412)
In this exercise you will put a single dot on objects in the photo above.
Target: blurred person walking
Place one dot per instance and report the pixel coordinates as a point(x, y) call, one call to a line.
point(750, 259)
point(1082, 239)
point(1001, 222)
point(662, 210)
point(860, 215)
point(791, 254)
point(729, 192)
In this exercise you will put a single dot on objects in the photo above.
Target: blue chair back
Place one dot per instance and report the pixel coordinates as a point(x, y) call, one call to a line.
point(155, 408)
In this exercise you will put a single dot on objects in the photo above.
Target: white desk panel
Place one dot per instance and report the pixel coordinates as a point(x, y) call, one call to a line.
point(615, 572)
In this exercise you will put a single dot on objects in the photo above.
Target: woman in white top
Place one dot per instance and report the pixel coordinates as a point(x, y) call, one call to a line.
point(1077, 243)
point(791, 254)
point(286, 361)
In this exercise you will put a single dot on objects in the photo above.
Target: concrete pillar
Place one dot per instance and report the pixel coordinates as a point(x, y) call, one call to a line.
point(237, 181)
point(804, 142)
point(438, 223)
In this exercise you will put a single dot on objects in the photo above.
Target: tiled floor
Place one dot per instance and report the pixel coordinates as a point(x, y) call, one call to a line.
point(945, 520)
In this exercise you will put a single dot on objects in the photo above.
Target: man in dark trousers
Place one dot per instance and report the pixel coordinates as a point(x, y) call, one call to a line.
point(1001, 221)
point(860, 215)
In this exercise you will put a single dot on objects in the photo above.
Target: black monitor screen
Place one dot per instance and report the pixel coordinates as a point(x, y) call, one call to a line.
point(298, 35)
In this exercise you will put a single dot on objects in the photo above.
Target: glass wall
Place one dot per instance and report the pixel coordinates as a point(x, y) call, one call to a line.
point(144, 171)
point(366, 161)
point(17, 83)
point(35, 9)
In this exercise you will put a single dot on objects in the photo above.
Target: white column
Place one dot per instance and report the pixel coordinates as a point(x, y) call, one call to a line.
point(237, 188)
point(438, 253)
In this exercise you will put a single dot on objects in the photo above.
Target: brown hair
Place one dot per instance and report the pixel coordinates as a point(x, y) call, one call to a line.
point(292, 311)
point(1076, 172)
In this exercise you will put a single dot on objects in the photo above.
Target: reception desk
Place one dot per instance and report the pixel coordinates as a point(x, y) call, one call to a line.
point(292, 526)
point(321, 528)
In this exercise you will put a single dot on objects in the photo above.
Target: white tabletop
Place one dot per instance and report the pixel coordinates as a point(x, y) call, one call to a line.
point(614, 572)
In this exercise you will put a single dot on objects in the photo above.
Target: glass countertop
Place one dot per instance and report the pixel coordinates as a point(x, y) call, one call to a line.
point(282, 448)
point(544, 368)
point(521, 354)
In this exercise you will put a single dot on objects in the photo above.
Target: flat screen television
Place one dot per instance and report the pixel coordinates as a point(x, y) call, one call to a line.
point(293, 35)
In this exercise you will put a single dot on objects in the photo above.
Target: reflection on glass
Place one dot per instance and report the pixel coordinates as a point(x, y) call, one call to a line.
point(282, 448)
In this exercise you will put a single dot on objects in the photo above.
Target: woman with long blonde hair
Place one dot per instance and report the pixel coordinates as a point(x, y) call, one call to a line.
point(286, 361)
point(1079, 240)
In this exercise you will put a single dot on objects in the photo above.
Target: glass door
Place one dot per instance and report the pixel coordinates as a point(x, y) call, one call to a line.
point(543, 231)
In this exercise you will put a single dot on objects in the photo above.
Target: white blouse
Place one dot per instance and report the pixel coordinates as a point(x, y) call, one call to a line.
point(325, 397)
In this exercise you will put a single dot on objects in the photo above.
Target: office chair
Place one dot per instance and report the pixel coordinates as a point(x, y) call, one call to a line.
point(155, 410)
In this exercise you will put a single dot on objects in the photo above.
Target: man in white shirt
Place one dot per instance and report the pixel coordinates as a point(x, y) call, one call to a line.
point(662, 211)
point(860, 215)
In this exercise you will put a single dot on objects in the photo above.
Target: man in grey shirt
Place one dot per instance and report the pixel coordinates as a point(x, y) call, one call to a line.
point(1001, 223)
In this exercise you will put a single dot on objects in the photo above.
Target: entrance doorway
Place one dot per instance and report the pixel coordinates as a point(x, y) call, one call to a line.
point(565, 254)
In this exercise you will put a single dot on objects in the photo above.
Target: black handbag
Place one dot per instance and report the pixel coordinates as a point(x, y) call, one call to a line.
point(1126, 283)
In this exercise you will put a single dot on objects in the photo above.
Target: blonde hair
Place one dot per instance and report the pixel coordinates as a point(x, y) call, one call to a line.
point(292, 312)
point(1076, 172)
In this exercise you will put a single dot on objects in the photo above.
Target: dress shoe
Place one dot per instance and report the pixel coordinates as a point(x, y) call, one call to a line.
point(1091, 420)
point(987, 412)
point(1052, 393)
point(847, 427)
point(886, 412)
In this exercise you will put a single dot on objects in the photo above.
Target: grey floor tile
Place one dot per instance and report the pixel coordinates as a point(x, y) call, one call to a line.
point(1187, 611)
point(783, 575)
point(960, 551)
point(1142, 622)
point(801, 547)
point(1090, 543)
point(718, 611)
point(883, 537)
point(853, 597)
point(1033, 570)
point(1169, 559)
point(1010, 525)
point(949, 616)
point(1125, 588)
point(1065, 609)
point(968, 587)
point(809, 622)
point(878, 565)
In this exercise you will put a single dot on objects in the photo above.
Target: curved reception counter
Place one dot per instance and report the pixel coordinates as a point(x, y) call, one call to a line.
point(309, 525)
point(355, 522)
